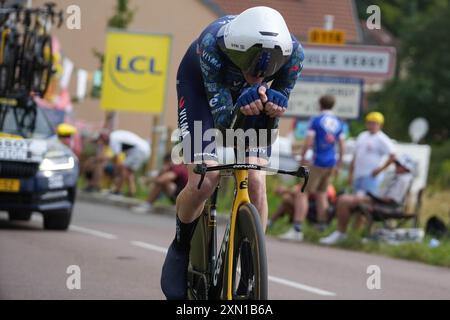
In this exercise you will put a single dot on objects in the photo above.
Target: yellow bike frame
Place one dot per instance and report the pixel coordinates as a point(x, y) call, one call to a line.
point(241, 197)
point(240, 172)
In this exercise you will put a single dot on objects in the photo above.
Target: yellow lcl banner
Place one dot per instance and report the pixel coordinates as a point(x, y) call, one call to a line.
point(135, 72)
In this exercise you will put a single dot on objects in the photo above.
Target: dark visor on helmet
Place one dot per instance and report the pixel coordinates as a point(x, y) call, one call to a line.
point(258, 61)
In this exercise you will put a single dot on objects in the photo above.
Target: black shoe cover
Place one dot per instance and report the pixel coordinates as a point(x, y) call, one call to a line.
point(174, 273)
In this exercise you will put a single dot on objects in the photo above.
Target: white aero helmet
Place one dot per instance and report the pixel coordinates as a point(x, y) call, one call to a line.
point(258, 41)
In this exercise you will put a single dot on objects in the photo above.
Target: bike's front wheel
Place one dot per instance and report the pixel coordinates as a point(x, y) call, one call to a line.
point(249, 273)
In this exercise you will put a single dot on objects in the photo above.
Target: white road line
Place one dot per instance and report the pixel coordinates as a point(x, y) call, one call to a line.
point(149, 246)
point(300, 286)
point(93, 232)
point(289, 283)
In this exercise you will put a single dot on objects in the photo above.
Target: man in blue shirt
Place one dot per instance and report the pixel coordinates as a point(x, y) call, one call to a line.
point(324, 132)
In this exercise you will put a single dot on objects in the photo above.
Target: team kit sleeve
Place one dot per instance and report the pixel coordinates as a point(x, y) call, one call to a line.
point(288, 75)
point(219, 96)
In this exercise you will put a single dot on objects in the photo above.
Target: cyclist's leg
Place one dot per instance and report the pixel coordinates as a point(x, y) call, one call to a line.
point(191, 200)
point(257, 189)
point(194, 119)
point(193, 111)
point(260, 155)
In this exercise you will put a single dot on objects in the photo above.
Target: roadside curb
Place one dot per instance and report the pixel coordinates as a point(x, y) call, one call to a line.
point(128, 203)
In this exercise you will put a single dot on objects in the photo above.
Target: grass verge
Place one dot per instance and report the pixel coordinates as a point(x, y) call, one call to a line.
point(435, 203)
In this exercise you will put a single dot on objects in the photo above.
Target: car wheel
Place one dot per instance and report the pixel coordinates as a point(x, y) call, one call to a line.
point(19, 215)
point(57, 220)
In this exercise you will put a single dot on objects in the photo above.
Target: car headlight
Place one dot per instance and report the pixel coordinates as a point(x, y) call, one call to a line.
point(57, 160)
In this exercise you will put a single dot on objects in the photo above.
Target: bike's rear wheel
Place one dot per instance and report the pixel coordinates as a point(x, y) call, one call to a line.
point(249, 274)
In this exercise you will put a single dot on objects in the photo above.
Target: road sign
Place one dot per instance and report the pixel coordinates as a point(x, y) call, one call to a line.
point(135, 71)
point(322, 36)
point(304, 100)
point(350, 61)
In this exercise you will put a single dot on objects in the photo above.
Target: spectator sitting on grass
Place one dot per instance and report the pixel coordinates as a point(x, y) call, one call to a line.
point(171, 181)
point(137, 151)
point(392, 197)
point(287, 205)
point(100, 164)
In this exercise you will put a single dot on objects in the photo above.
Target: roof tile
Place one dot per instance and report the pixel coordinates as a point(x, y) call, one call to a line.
point(301, 15)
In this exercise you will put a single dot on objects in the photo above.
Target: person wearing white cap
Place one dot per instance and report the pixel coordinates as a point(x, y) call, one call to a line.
point(392, 196)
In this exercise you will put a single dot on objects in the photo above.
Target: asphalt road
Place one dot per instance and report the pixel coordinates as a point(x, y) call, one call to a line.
point(120, 255)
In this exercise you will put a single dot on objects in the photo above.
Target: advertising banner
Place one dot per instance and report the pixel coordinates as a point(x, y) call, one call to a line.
point(135, 72)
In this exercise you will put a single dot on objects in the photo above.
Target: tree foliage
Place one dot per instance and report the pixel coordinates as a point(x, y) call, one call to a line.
point(423, 89)
point(123, 15)
point(395, 12)
point(121, 19)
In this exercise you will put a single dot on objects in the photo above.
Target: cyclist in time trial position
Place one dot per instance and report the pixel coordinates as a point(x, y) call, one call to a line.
point(226, 70)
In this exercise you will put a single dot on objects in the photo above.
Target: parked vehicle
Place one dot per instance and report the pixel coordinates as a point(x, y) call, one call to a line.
point(37, 172)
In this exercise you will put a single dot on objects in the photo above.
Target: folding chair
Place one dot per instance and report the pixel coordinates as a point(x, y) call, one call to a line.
point(391, 218)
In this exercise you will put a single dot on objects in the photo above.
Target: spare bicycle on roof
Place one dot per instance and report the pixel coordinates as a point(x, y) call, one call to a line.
point(26, 51)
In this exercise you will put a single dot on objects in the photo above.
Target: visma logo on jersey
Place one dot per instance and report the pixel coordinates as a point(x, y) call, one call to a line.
point(135, 72)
